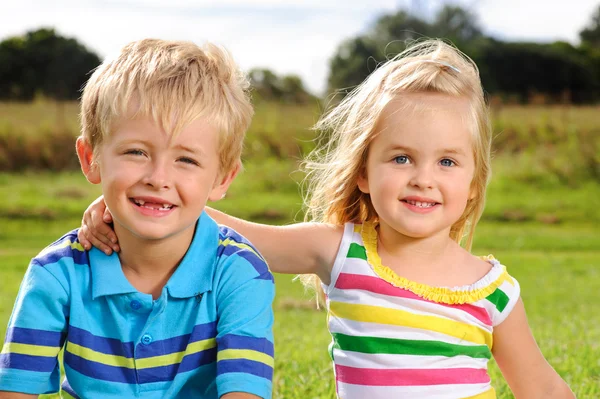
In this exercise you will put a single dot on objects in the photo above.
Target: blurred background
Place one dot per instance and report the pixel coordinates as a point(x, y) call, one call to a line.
point(540, 66)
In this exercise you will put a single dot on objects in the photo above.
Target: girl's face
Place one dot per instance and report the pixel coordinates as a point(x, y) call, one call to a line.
point(420, 164)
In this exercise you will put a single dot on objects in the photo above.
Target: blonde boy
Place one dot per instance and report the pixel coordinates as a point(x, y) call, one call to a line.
point(184, 310)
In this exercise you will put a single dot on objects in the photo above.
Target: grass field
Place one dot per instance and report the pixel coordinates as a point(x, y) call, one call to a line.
point(545, 229)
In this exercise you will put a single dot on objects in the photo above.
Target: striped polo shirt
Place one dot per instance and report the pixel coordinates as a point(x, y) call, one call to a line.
point(209, 332)
point(395, 338)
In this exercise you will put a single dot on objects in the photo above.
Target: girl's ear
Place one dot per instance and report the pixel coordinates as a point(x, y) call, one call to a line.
point(85, 154)
point(472, 193)
point(362, 181)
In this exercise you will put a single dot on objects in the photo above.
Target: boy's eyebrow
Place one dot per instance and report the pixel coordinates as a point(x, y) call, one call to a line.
point(190, 149)
point(193, 150)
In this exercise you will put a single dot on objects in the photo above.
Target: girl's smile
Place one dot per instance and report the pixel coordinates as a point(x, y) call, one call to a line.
point(420, 165)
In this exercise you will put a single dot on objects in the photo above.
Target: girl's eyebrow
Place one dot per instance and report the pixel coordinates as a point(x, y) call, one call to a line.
point(452, 151)
point(455, 151)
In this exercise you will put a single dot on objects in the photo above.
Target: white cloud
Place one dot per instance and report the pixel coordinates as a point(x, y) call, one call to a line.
point(536, 20)
point(287, 36)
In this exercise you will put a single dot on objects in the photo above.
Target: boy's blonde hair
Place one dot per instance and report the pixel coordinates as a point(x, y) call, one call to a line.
point(174, 83)
point(333, 168)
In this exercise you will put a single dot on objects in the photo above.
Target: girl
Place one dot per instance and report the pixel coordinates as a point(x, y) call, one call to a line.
point(392, 194)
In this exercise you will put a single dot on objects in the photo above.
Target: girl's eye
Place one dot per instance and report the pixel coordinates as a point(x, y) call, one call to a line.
point(134, 152)
point(447, 162)
point(188, 161)
point(401, 160)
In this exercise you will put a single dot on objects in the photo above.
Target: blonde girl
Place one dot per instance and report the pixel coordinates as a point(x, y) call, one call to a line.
point(397, 187)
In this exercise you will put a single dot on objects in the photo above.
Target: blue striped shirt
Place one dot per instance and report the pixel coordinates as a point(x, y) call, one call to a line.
point(209, 333)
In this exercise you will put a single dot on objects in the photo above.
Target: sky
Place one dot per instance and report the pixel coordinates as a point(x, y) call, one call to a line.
point(287, 36)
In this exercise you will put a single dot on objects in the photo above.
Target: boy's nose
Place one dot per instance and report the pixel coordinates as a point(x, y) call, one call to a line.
point(158, 176)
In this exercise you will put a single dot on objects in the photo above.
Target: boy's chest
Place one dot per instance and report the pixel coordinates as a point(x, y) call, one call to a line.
point(146, 344)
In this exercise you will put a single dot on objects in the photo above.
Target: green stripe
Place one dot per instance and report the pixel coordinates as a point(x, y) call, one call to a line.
point(499, 299)
point(391, 346)
point(357, 251)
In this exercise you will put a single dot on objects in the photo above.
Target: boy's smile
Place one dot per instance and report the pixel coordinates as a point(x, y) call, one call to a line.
point(157, 185)
point(152, 206)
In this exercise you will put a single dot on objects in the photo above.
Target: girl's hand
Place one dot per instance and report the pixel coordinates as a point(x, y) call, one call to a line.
point(95, 229)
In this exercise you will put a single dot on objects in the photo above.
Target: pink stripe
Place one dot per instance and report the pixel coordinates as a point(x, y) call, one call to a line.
point(347, 281)
point(410, 377)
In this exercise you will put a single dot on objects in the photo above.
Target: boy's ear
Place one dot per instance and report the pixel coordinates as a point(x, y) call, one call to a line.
point(85, 154)
point(362, 182)
point(222, 183)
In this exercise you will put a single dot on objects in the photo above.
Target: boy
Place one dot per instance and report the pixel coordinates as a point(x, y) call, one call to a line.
point(184, 311)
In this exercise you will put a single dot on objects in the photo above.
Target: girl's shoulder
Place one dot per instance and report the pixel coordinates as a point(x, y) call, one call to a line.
point(492, 277)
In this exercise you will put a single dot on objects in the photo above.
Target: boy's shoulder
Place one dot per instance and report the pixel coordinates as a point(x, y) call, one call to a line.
point(233, 245)
point(66, 248)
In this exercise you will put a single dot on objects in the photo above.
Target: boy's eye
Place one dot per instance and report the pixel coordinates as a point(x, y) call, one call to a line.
point(134, 152)
point(401, 159)
point(188, 161)
point(447, 162)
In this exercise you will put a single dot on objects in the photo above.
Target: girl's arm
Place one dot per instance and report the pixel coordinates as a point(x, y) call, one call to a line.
point(522, 363)
point(301, 248)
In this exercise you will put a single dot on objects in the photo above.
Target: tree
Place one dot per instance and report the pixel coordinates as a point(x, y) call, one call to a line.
point(457, 25)
point(591, 34)
point(356, 58)
point(46, 63)
point(287, 88)
point(556, 71)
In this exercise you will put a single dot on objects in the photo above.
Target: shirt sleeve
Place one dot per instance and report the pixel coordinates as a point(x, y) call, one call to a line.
point(35, 334)
point(245, 357)
point(504, 299)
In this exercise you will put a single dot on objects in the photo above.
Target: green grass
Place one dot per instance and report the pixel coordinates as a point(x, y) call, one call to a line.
point(542, 220)
point(557, 264)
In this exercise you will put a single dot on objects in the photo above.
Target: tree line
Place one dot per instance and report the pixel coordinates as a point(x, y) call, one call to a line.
point(514, 71)
point(42, 62)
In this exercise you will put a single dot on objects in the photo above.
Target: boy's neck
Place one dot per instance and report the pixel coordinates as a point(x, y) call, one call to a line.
point(148, 264)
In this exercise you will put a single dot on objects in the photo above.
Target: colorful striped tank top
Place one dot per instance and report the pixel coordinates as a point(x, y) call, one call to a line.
point(395, 338)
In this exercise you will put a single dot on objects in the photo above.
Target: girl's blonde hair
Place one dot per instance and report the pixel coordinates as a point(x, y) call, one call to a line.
point(333, 168)
point(174, 83)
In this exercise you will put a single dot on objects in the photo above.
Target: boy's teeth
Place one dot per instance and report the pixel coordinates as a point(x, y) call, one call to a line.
point(163, 207)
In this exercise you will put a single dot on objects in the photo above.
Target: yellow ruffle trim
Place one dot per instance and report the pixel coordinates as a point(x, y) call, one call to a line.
point(437, 294)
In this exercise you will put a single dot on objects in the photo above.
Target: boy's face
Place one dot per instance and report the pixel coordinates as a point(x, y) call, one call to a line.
point(156, 186)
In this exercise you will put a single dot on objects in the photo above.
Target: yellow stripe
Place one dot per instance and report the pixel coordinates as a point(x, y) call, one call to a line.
point(64, 244)
point(357, 228)
point(489, 394)
point(145, 363)
point(174, 358)
point(376, 314)
point(65, 395)
point(508, 278)
point(234, 243)
point(246, 354)
point(92, 355)
point(32, 350)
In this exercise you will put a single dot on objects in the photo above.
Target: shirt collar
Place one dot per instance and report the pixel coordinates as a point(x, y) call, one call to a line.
point(193, 276)
point(107, 275)
point(197, 268)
